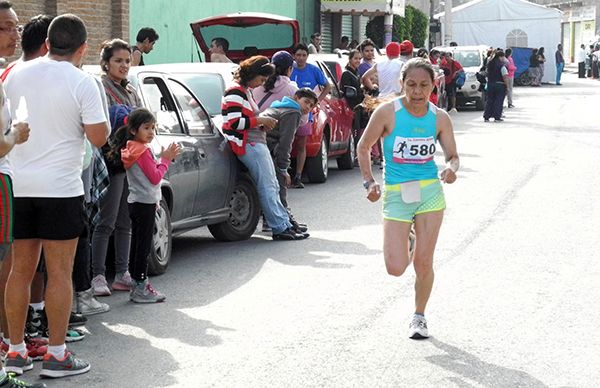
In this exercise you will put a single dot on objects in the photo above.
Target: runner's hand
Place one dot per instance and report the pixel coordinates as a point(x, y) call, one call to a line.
point(374, 192)
point(448, 176)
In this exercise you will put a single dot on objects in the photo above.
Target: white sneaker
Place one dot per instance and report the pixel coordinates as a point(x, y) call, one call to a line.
point(88, 305)
point(452, 111)
point(123, 282)
point(100, 286)
point(418, 328)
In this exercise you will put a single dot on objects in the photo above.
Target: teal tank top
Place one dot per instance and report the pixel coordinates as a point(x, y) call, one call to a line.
point(408, 151)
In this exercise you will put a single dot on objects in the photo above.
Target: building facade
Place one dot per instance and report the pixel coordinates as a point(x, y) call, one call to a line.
point(580, 23)
point(171, 19)
point(105, 19)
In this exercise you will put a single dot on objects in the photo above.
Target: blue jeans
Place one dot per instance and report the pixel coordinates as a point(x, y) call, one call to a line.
point(260, 165)
point(559, 69)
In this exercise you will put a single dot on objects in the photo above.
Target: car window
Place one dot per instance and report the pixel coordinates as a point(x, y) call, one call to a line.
point(194, 115)
point(160, 103)
point(209, 88)
point(469, 58)
point(263, 36)
point(334, 89)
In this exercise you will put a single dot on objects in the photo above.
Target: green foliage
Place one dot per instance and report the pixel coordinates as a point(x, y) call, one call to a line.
point(413, 26)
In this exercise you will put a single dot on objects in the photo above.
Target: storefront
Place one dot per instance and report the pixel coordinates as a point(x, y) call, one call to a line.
point(350, 17)
point(578, 27)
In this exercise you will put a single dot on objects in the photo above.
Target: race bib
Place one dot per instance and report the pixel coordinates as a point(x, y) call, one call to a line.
point(413, 150)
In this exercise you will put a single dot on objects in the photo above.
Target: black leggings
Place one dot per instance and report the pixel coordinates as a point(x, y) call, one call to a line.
point(142, 226)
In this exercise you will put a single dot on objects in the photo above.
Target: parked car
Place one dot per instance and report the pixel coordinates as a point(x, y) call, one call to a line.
point(265, 34)
point(248, 34)
point(206, 185)
point(331, 136)
point(471, 59)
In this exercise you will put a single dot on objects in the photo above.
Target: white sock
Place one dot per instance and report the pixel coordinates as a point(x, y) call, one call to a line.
point(6, 340)
point(57, 351)
point(2, 374)
point(20, 348)
point(37, 306)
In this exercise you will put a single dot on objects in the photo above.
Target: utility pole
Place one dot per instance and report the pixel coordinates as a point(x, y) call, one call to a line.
point(447, 22)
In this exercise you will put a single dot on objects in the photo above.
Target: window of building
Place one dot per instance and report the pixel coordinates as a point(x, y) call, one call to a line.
point(516, 38)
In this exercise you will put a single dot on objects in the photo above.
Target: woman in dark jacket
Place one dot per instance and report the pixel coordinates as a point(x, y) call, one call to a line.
point(497, 78)
point(350, 78)
point(534, 67)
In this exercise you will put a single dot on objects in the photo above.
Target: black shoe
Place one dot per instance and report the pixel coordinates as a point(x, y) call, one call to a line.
point(289, 234)
point(500, 119)
point(11, 382)
point(33, 324)
point(297, 182)
point(486, 120)
point(511, 106)
point(77, 320)
point(299, 228)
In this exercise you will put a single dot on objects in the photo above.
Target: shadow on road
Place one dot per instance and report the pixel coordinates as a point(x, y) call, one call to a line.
point(474, 369)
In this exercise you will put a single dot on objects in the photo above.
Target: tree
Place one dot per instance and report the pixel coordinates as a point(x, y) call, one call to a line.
point(413, 26)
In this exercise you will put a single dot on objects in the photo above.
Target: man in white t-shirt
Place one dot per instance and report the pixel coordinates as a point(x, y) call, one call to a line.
point(387, 71)
point(11, 134)
point(580, 59)
point(63, 106)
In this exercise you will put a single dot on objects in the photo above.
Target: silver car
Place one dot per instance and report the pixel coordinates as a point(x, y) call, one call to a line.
point(206, 185)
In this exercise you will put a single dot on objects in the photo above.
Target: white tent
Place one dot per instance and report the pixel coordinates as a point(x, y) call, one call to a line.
point(508, 23)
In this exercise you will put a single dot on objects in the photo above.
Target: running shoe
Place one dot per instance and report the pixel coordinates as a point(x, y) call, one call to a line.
point(17, 363)
point(10, 381)
point(73, 335)
point(123, 282)
point(297, 182)
point(67, 366)
point(3, 349)
point(418, 327)
point(145, 293)
point(100, 286)
point(77, 320)
point(33, 322)
point(36, 347)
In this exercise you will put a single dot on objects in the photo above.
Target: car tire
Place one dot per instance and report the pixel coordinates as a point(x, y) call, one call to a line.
point(346, 161)
point(244, 211)
point(316, 167)
point(162, 241)
point(480, 102)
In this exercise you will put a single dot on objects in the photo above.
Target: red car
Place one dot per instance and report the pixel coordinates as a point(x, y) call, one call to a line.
point(250, 33)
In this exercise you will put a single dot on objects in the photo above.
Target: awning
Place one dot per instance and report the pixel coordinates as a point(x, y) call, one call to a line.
point(364, 7)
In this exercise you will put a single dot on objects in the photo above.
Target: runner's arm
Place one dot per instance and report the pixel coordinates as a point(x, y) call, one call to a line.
point(448, 143)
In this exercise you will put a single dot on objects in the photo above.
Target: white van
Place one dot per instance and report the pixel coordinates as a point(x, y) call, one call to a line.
point(471, 59)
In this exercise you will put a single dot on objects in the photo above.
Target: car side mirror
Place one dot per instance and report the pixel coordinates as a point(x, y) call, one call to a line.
point(350, 91)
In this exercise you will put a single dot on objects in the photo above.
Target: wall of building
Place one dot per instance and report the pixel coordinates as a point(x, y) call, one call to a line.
point(104, 19)
point(171, 19)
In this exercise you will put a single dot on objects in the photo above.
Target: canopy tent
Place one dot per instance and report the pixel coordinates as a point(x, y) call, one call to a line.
point(508, 23)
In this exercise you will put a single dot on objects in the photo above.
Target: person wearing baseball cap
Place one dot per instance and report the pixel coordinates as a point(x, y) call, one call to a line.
point(388, 72)
point(277, 85)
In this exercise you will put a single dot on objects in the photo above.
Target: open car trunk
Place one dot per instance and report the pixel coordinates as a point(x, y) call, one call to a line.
point(248, 34)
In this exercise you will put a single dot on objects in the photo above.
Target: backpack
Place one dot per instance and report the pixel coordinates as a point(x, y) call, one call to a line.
point(117, 116)
point(460, 78)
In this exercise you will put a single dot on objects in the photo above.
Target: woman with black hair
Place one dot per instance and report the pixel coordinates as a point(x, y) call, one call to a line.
point(246, 134)
point(497, 82)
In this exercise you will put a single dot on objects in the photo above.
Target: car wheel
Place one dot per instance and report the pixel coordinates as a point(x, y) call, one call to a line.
point(480, 103)
point(346, 161)
point(316, 167)
point(162, 241)
point(244, 211)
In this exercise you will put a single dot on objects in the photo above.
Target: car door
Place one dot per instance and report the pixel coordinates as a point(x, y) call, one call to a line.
point(215, 167)
point(341, 114)
point(183, 172)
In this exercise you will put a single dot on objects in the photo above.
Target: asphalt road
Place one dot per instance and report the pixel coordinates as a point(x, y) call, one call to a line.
point(515, 302)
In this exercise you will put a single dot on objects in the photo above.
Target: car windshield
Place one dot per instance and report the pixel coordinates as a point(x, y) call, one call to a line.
point(264, 36)
point(207, 87)
point(469, 58)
